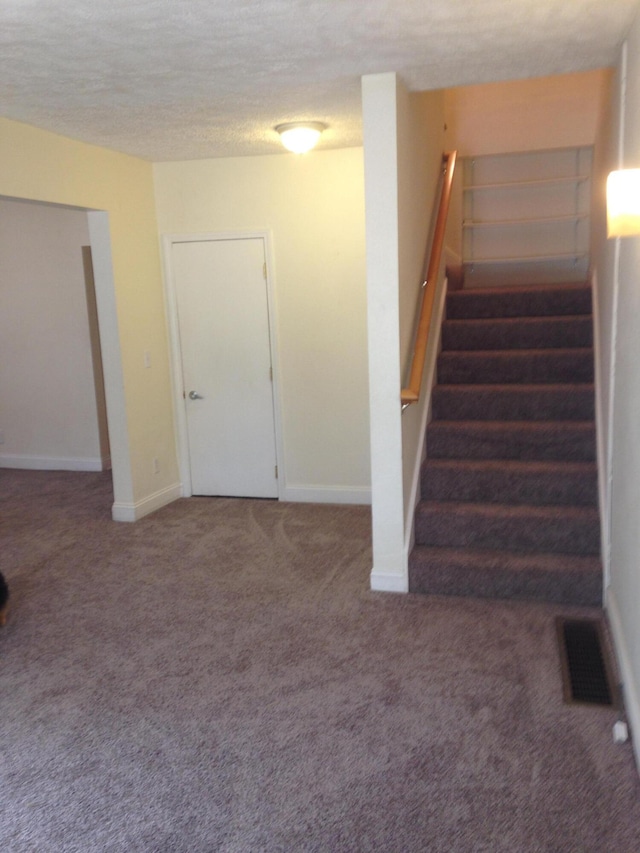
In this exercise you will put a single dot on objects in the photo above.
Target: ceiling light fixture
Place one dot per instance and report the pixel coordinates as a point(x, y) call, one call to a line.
point(300, 136)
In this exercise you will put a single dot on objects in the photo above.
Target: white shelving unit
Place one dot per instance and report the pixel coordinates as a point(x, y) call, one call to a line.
point(526, 217)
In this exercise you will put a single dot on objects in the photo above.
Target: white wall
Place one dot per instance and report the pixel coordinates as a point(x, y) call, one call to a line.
point(49, 412)
point(619, 298)
point(313, 206)
point(404, 140)
point(604, 253)
point(525, 115)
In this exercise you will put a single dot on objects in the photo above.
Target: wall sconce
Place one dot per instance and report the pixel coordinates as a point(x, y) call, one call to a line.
point(300, 136)
point(623, 203)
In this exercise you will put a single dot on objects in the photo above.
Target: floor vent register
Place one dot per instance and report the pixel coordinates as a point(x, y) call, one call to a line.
point(587, 673)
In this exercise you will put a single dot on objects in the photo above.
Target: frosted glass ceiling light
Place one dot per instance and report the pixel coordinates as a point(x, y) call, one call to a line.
point(300, 136)
point(623, 203)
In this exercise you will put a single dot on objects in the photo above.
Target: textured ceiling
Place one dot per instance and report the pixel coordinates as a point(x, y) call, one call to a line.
point(185, 79)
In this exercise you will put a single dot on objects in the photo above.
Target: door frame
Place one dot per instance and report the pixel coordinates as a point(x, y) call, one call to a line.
point(182, 441)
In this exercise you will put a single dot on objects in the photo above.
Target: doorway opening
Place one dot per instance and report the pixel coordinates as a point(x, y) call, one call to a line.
point(60, 383)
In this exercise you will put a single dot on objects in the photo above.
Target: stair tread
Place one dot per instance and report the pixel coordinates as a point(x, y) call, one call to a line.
point(520, 560)
point(515, 387)
point(513, 401)
point(519, 292)
point(566, 579)
point(566, 529)
point(504, 366)
point(544, 332)
point(569, 286)
point(498, 510)
point(535, 319)
point(537, 426)
point(522, 301)
point(513, 481)
point(573, 440)
point(532, 352)
point(515, 465)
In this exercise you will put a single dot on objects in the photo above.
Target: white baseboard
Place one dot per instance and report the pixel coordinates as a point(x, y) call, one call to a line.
point(52, 463)
point(630, 689)
point(121, 511)
point(382, 582)
point(327, 494)
point(390, 573)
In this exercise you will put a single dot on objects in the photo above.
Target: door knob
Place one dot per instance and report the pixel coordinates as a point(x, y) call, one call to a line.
point(193, 395)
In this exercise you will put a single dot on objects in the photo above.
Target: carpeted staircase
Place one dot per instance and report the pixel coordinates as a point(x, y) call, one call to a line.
point(509, 487)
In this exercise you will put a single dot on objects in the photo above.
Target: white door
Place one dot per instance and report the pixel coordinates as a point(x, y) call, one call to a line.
point(223, 319)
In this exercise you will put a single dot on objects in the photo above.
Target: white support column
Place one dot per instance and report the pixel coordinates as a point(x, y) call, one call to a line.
point(123, 501)
point(379, 110)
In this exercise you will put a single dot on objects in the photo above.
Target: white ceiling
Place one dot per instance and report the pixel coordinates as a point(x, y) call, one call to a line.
point(186, 79)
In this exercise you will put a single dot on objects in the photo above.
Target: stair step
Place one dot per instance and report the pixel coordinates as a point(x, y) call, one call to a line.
point(534, 301)
point(516, 402)
point(551, 529)
point(509, 488)
point(571, 441)
point(514, 482)
point(518, 333)
point(571, 580)
point(506, 366)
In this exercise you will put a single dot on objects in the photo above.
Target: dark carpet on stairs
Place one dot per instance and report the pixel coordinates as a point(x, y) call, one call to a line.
point(218, 677)
point(509, 501)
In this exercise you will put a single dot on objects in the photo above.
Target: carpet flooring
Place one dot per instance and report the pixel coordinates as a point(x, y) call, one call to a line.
point(218, 677)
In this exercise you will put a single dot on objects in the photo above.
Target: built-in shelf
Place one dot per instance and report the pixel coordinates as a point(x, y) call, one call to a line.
point(527, 209)
point(516, 185)
point(489, 223)
point(530, 259)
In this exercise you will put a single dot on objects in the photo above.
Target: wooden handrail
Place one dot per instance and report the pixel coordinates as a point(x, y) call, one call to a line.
point(411, 394)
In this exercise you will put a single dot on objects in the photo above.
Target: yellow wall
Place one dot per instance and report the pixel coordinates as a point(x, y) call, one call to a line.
point(35, 164)
point(313, 207)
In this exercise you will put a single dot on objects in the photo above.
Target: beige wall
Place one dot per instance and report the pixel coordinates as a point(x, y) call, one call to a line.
point(48, 404)
point(525, 115)
point(42, 166)
point(313, 206)
point(420, 149)
point(421, 142)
